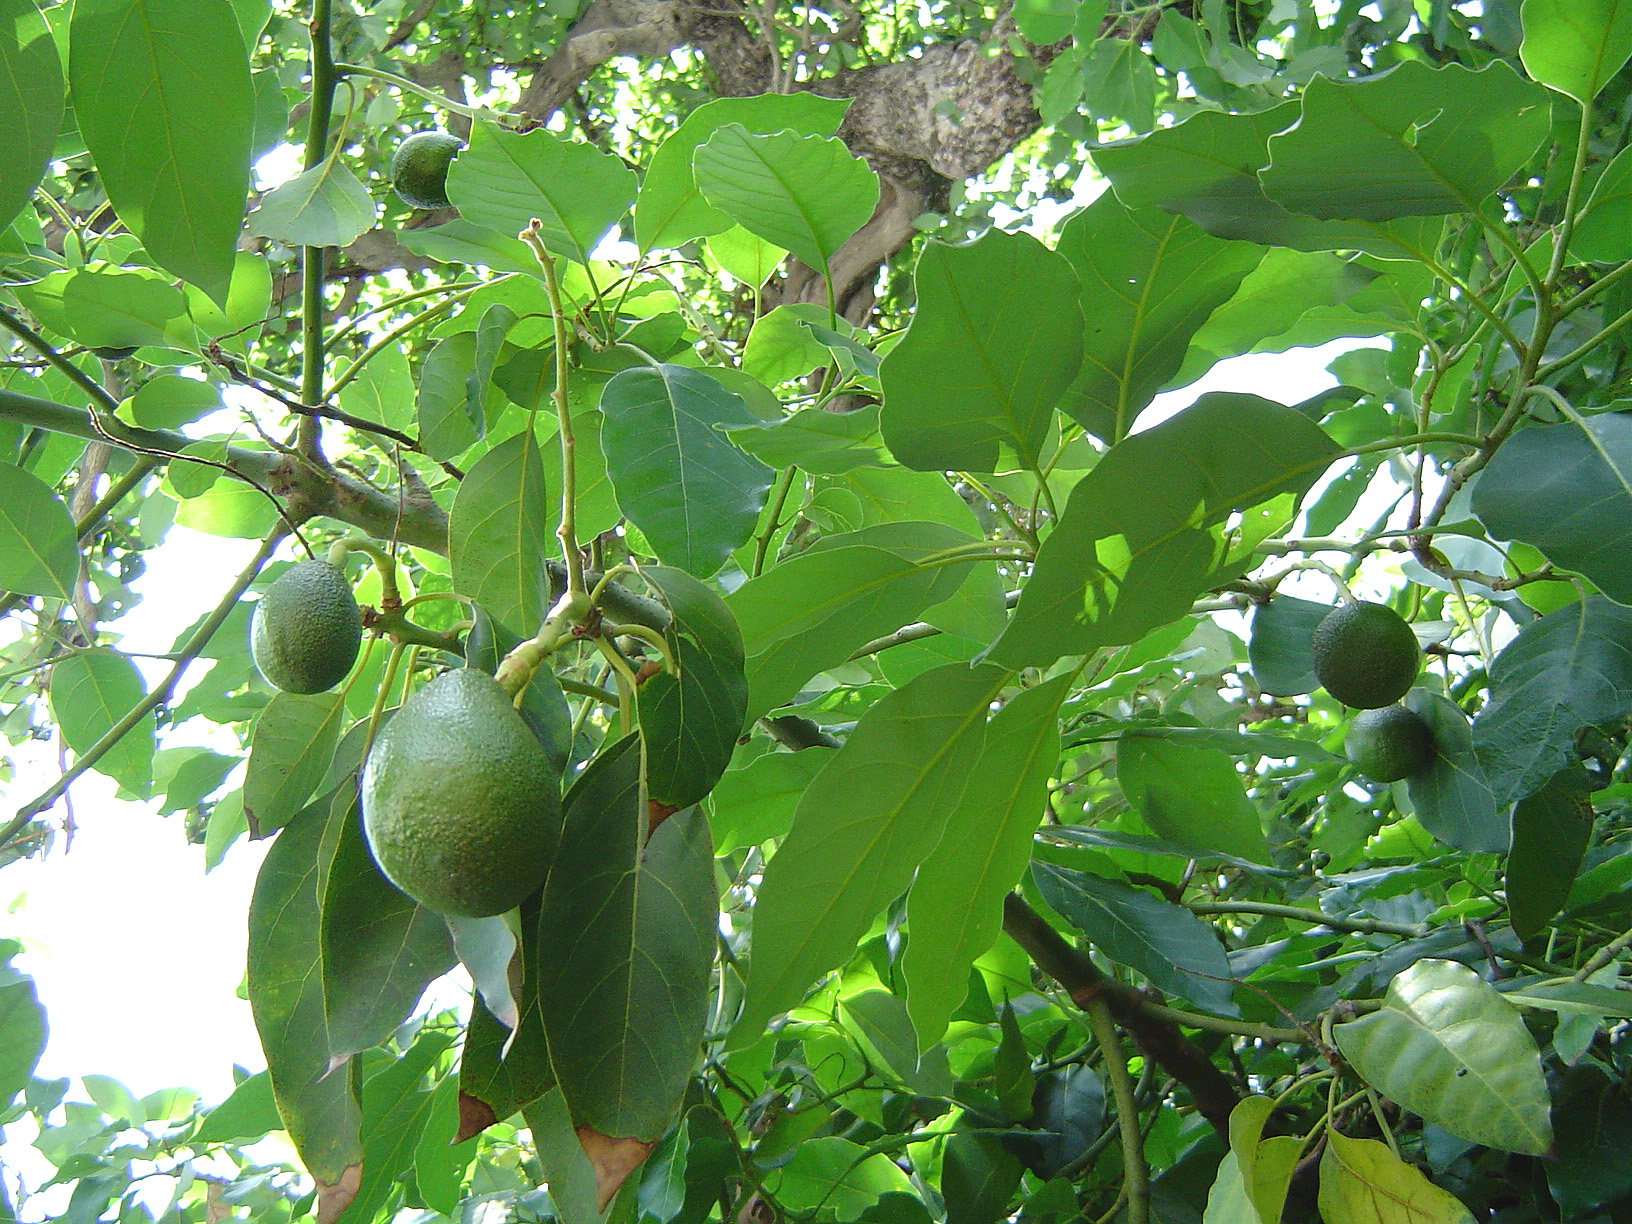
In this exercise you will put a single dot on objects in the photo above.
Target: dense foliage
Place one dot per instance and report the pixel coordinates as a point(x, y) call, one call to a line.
point(953, 827)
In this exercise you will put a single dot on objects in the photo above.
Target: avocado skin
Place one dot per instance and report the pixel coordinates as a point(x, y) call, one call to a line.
point(461, 807)
point(1390, 744)
point(1365, 655)
point(306, 630)
point(419, 168)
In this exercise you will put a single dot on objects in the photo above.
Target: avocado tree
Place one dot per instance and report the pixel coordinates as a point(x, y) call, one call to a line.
point(765, 532)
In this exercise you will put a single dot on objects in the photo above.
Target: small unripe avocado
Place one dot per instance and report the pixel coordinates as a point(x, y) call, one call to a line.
point(1389, 744)
point(306, 630)
point(461, 806)
point(419, 168)
point(1365, 655)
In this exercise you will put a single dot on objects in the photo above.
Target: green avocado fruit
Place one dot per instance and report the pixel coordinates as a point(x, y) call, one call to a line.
point(419, 168)
point(461, 807)
point(1389, 744)
point(1365, 655)
point(306, 629)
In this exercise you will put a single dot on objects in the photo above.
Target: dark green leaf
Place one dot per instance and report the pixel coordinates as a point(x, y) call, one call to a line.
point(500, 1071)
point(1068, 1109)
point(1575, 46)
point(396, 1108)
point(977, 1179)
point(1279, 650)
point(499, 531)
point(1551, 829)
point(1452, 797)
point(31, 94)
point(294, 741)
point(39, 554)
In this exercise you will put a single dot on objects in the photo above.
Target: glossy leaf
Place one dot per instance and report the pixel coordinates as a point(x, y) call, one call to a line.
point(955, 908)
point(289, 756)
point(690, 721)
point(1567, 489)
point(506, 179)
point(865, 822)
point(1363, 1182)
point(1452, 797)
point(39, 552)
point(626, 941)
point(671, 210)
point(323, 206)
point(1570, 669)
point(806, 194)
point(1190, 794)
point(693, 495)
point(1252, 1183)
point(1446, 1045)
point(755, 803)
point(92, 692)
point(1067, 1114)
point(1575, 46)
point(1420, 140)
point(499, 534)
point(31, 94)
point(1178, 952)
point(1148, 282)
point(176, 168)
point(1551, 830)
point(981, 368)
point(1138, 540)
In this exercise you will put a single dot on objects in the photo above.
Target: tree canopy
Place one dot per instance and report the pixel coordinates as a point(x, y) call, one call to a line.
point(939, 814)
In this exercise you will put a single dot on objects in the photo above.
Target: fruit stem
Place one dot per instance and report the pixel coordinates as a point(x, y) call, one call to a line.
point(567, 531)
point(651, 637)
point(517, 667)
point(384, 563)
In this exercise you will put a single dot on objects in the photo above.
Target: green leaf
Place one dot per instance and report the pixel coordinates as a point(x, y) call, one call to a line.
point(251, 1112)
point(1255, 1175)
point(501, 1070)
point(983, 364)
point(1279, 651)
point(91, 692)
point(690, 721)
point(1189, 794)
point(31, 95)
point(1569, 998)
point(169, 401)
point(1567, 489)
point(1177, 951)
point(1138, 540)
point(39, 549)
point(285, 986)
point(780, 345)
point(289, 756)
point(879, 1019)
point(1149, 280)
point(1206, 169)
point(440, 1163)
point(163, 98)
point(955, 908)
point(1604, 234)
point(978, 1178)
point(823, 443)
point(447, 426)
point(627, 937)
point(498, 533)
point(396, 1109)
point(1068, 1112)
point(1011, 1067)
point(106, 309)
point(1446, 1045)
point(1575, 46)
point(1415, 141)
point(693, 495)
point(1570, 669)
point(1452, 797)
point(1551, 830)
point(670, 210)
point(22, 1028)
point(505, 179)
point(755, 804)
point(806, 194)
point(379, 949)
point(841, 1176)
point(1363, 1182)
point(865, 822)
point(323, 206)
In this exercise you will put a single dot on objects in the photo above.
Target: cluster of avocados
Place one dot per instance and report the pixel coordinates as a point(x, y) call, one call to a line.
point(461, 805)
point(1366, 655)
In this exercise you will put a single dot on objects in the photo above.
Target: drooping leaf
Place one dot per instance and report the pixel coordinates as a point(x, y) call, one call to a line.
point(39, 552)
point(1363, 1182)
point(1570, 669)
point(289, 755)
point(1178, 952)
point(164, 102)
point(1264, 1166)
point(981, 368)
point(1279, 649)
point(440, 1163)
point(1067, 1112)
point(807, 194)
point(90, 694)
point(670, 209)
point(955, 908)
point(31, 93)
point(626, 939)
point(1551, 830)
point(879, 1020)
point(1567, 489)
point(506, 179)
point(866, 821)
point(978, 1177)
point(446, 427)
point(499, 534)
point(690, 721)
point(1190, 794)
point(1575, 46)
point(1452, 796)
point(693, 495)
point(1148, 279)
point(1419, 140)
point(1139, 540)
point(1446, 1045)
point(502, 1069)
point(323, 206)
